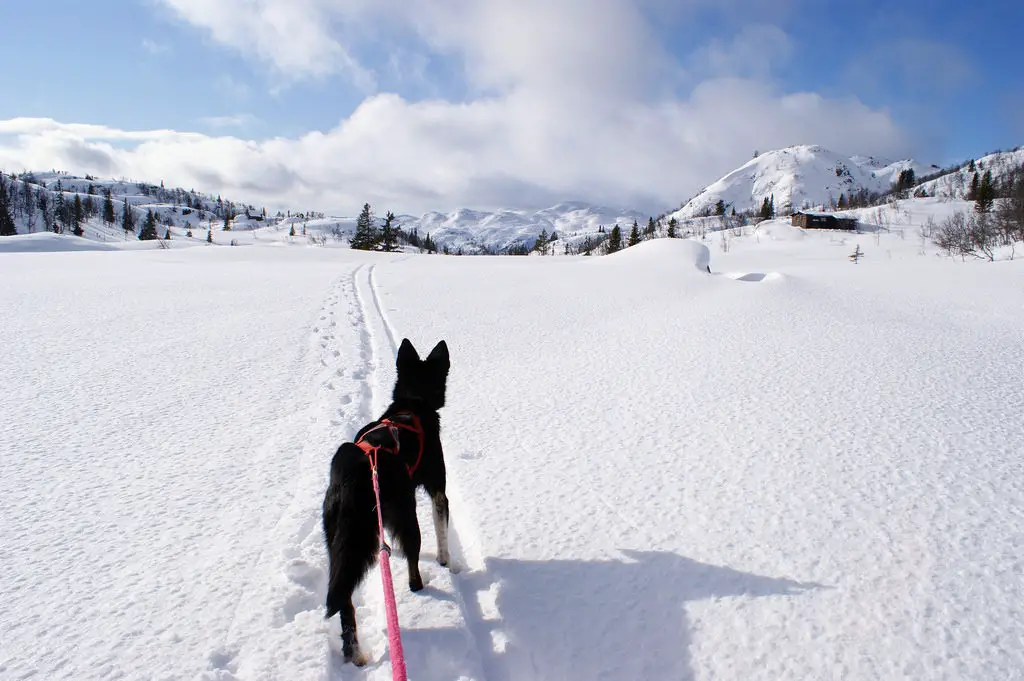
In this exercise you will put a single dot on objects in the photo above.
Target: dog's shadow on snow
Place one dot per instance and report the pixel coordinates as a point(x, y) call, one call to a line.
point(585, 620)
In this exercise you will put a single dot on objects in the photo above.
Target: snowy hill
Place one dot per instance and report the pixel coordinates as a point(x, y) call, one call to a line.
point(957, 183)
point(43, 201)
point(798, 177)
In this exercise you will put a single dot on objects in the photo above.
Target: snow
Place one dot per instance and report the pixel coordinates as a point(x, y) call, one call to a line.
point(791, 467)
point(799, 177)
point(48, 242)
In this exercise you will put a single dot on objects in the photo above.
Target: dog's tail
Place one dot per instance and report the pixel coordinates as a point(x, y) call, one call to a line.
point(350, 525)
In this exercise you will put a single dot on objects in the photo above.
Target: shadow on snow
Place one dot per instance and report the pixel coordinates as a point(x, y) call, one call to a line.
point(588, 620)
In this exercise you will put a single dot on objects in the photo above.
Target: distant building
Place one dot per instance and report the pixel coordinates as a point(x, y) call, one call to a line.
point(811, 220)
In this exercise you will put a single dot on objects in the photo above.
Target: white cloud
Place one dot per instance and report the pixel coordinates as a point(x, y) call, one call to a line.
point(293, 36)
point(569, 99)
point(488, 153)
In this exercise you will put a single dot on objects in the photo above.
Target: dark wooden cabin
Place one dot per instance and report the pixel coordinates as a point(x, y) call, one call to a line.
point(808, 220)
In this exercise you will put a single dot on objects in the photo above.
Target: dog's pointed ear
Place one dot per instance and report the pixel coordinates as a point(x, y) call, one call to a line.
point(406, 353)
point(439, 356)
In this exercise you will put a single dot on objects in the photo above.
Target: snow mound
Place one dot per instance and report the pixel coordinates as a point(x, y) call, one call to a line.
point(48, 242)
point(671, 253)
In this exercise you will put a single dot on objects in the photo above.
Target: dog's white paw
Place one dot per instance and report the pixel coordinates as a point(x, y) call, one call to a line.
point(359, 658)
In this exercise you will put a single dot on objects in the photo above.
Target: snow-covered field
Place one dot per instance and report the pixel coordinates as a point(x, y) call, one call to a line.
point(793, 467)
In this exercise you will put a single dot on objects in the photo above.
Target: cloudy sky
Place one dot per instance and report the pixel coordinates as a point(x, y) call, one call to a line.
point(418, 105)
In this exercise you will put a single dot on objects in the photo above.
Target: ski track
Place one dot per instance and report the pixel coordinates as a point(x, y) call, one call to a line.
point(444, 631)
point(278, 630)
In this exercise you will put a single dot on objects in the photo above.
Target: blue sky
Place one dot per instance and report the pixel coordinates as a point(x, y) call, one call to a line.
point(944, 73)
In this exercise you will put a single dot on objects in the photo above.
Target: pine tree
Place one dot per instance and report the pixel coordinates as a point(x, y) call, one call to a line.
point(388, 234)
point(972, 193)
point(905, 182)
point(127, 219)
point(766, 210)
point(540, 245)
point(365, 238)
point(28, 198)
point(44, 207)
point(227, 220)
point(672, 223)
point(614, 240)
point(291, 232)
point(7, 227)
point(986, 195)
point(842, 202)
point(209, 236)
point(60, 207)
point(108, 208)
point(148, 232)
point(77, 217)
point(634, 235)
point(720, 207)
point(652, 228)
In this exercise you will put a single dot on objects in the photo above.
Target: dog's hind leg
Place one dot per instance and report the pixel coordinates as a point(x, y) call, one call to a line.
point(439, 507)
point(349, 641)
point(340, 588)
point(406, 528)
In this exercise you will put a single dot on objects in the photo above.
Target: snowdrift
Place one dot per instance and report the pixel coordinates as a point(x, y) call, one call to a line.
point(663, 255)
point(49, 242)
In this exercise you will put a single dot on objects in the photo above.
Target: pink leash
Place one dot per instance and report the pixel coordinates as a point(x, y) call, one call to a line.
point(394, 635)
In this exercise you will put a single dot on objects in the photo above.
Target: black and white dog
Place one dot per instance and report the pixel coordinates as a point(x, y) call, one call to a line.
point(406, 441)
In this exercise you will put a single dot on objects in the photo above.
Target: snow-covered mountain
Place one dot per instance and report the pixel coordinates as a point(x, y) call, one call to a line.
point(798, 177)
point(473, 230)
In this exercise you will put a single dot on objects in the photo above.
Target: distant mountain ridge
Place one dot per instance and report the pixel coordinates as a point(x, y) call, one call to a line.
point(798, 177)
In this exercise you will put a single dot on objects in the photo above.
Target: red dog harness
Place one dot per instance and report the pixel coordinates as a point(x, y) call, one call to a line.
point(392, 427)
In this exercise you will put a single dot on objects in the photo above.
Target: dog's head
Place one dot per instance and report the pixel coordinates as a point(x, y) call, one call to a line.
point(422, 379)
